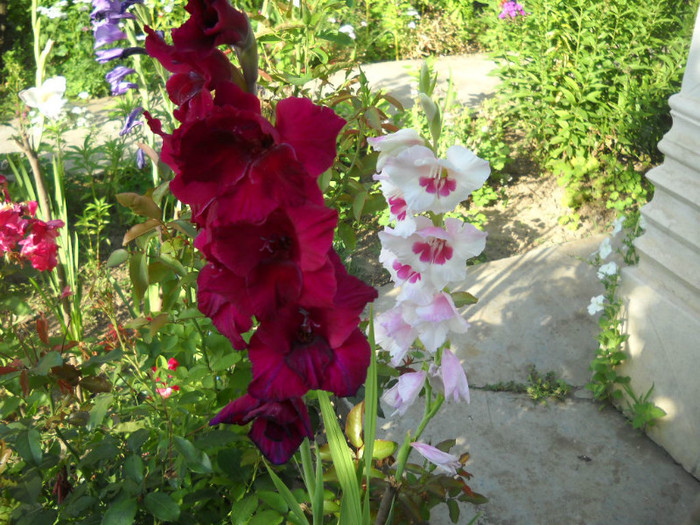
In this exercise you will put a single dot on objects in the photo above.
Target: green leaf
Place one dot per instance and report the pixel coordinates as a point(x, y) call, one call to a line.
point(274, 500)
point(99, 410)
point(162, 506)
point(28, 445)
point(121, 513)
point(463, 299)
point(140, 204)
point(383, 449)
point(453, 508)
point(267, 517)
point(287, 499)
point(138, 272)
point(358, 204)
point(241, 511)
point(342, 460)
point(117, 257)
point(133, 467)
point(47, 362)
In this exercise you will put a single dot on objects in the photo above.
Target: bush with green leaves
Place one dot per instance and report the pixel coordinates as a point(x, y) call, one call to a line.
point(587, 83)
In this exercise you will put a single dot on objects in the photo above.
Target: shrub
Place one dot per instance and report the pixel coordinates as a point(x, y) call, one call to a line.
point(588, 83)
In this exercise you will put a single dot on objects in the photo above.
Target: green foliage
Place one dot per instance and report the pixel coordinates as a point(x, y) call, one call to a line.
point(606, 383)
point(548, 386)
point(588, 82)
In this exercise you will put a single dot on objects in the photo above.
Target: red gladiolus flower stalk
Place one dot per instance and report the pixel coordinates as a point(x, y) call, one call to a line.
point(263, 227)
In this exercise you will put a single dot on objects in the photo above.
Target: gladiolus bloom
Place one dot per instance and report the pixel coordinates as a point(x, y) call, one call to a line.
point(278, 427)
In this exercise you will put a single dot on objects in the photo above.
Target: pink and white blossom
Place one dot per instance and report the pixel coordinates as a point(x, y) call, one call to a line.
point(445, 462)
point(394, 334)
point(450, 378)
point(435, 320)
point(431, 184)
point(404, 393)
point(437, 254)
point(393, 144)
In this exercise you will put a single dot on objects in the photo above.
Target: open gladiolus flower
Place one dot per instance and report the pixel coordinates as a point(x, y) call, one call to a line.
point(263, 227)
point(278, 427)
point(47, 98)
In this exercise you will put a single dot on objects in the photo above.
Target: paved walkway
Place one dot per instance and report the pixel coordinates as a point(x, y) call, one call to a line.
point(572, 462)
point(561, 463)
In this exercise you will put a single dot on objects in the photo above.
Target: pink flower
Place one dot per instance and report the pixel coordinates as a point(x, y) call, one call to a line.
point(405, 392)
point(167, 391)
point(40, 245)
point(450, 379)
point(445, 462)
point(12, 227)
point(512, 10)
point(173, 364)
point(434, 320)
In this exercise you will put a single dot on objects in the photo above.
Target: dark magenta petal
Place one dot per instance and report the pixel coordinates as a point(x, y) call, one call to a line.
point(349, 369)
point(238, 412)
point(275, 180)
point(315, 227)
point(277, 441)
point(278, 429)
point(273, 286)
point(319, 287)
point(212, 23)
point(311, 130)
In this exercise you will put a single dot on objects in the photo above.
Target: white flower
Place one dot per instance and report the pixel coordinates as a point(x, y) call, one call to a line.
point(597, 304)
point(48, 98)
point(348, 30)
point(393, 144)
point(51, 12)
point(411, 25)
point(83, 95)
point(394, 334)
point(617, 225)
point(332, 20)
point(605, 248)
point(607, 270)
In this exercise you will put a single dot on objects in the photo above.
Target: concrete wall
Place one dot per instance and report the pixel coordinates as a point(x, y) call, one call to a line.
point(663, 291)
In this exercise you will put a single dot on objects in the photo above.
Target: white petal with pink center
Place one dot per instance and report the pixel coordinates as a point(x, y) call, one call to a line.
point(439, 255)
point(393, 144)
point(435, 320)
point(430, 184)
point(398, 209)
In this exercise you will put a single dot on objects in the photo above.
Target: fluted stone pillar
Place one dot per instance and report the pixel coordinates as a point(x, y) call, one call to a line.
point(662, 293)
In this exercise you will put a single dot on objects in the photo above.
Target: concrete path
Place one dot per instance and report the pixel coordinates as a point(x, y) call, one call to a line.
point(572, 462)
point(472, 77)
